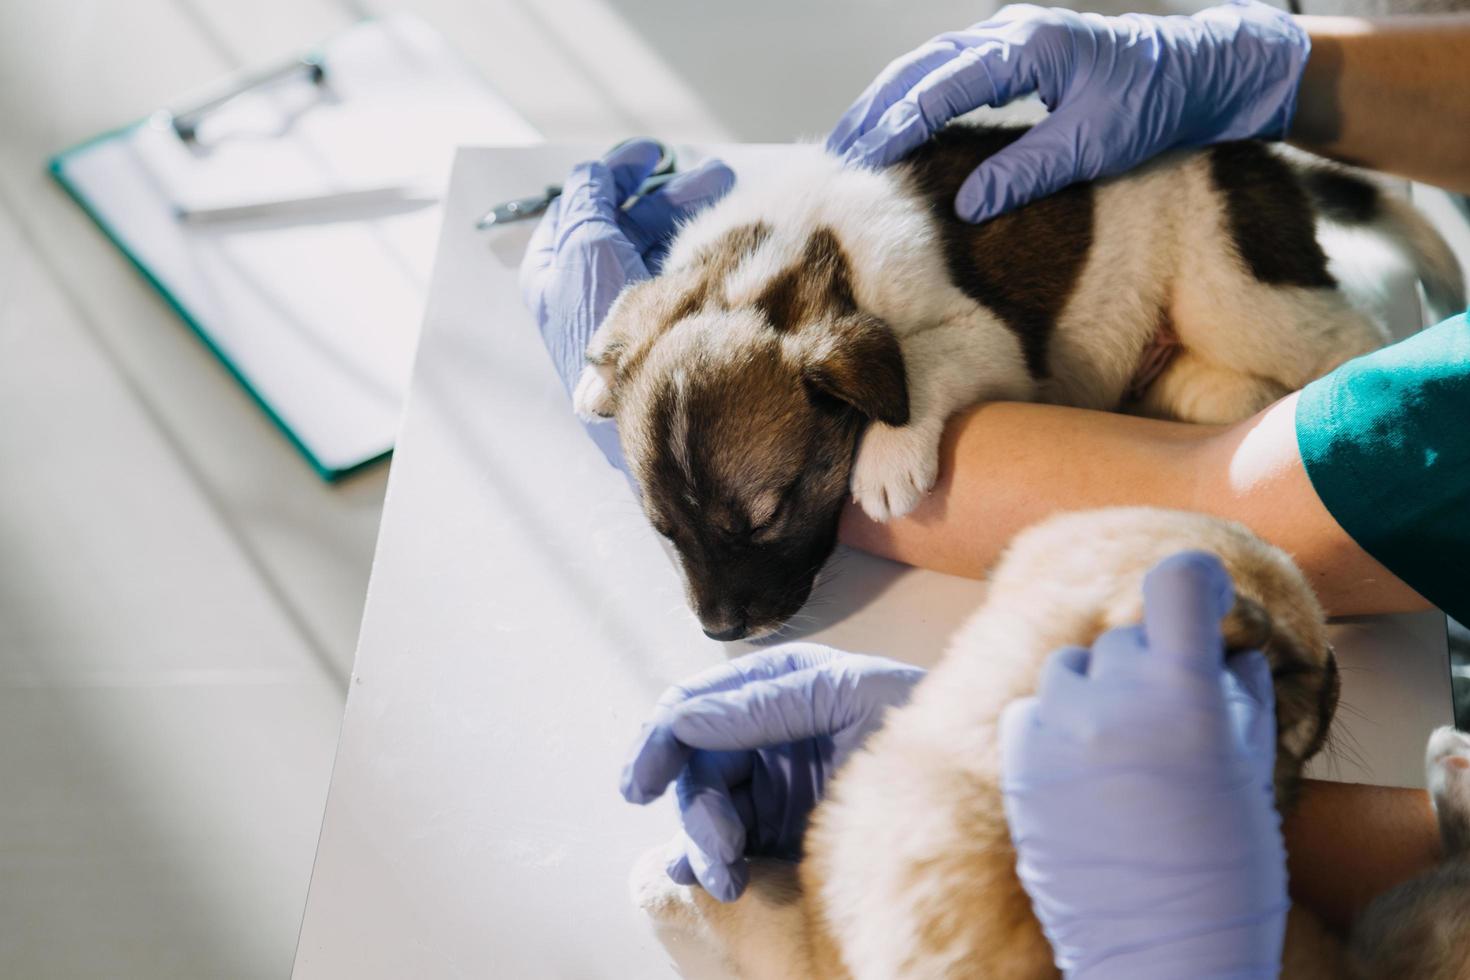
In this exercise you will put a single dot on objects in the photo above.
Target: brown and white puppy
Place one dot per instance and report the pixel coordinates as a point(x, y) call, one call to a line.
point(909, 869)
point(811, 333)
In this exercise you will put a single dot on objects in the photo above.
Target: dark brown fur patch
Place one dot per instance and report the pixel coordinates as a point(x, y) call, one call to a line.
point(1340, 196)
point(700, 282)
point(713, 263)
point(863, 365)
point(720, 257)
point(817, 287)
point(1270, 216)
point(1023, 265)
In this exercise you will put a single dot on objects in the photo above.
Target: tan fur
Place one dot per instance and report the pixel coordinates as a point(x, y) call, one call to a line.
point(909, 868)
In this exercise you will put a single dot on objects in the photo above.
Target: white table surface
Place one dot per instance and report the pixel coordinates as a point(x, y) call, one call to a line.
point(522, 618)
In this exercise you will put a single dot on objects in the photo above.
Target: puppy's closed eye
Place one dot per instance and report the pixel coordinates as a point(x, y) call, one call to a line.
point(764, 508)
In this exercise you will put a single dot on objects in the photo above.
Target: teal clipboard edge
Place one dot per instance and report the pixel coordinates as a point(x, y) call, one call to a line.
point(56, 166)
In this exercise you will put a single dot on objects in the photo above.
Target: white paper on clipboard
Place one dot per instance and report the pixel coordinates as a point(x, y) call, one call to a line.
point(317, 317)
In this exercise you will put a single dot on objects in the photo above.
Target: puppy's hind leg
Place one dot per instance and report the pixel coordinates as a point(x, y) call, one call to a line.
point(1292, 335)
point(1192, 389)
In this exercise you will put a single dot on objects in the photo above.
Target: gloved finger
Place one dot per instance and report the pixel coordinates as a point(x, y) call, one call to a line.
point(1043, 161)
point(1063, 684)
point(986, 71)
point(631, 162)
point(1253, 672)
point(788, 658)
point(590, 194)
point(724, 882)
point(791, 708)
point(627, 166)
point(540, 255)
point(1121, 650)
point(823, 700)
point(713, 831)
point(894, 82)
point(658, 754)
point(679, 869)
point(693, 189)
point(920, 113)
point(1184, 598)
point(1018, 724)
point(706, 811)
point(651, 219)
point(1251, 702)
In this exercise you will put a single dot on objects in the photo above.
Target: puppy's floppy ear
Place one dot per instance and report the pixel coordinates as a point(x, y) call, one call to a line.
point(856, 359)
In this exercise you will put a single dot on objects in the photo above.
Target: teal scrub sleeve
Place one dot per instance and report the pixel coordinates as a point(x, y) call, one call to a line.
point(1386, 443)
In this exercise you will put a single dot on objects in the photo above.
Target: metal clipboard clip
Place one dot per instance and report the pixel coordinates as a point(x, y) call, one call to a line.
point(186, 122)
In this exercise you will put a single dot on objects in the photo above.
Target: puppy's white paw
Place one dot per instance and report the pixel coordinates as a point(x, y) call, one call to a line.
point(1447, 757)
point(680, 917)
point(592, 399)
point(1446, 742)
point(655, 892)
point(895, 467)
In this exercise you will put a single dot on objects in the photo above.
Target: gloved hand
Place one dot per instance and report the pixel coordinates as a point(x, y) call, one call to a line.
point(1120, 90)
point(587, 248)
point(1138, 789)
point(750, 746)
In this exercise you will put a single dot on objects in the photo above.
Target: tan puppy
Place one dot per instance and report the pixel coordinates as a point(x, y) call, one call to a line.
point(909, 868)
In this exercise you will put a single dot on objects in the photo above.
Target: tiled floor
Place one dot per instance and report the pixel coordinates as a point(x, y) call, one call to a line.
point(179, 595)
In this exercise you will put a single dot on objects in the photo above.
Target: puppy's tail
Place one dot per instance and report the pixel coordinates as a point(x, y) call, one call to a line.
point(1345, 198)
point(761, 936)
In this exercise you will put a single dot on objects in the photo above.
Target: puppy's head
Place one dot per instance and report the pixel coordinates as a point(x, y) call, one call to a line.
point(1076, 575)
point(739, 414)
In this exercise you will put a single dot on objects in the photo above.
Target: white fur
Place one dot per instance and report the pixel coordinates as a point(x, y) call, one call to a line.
point(1449, 778)
point(1160, 248)
point(956, 352)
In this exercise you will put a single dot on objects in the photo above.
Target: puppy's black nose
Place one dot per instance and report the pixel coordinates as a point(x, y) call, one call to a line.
point(724, 636)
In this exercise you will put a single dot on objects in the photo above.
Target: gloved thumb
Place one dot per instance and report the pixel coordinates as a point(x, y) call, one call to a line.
point(650, 220)
point(1250, 699)
point(630, 163)
point(695, 188)
point(1043, 161)
point(1184, 598)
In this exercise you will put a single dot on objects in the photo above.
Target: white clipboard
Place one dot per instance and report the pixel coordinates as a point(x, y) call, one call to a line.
point(317, 316)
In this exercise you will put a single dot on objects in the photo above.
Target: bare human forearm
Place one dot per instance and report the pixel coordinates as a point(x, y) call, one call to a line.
point(1390, 94)
point(1347, 843)
point(1007, 465)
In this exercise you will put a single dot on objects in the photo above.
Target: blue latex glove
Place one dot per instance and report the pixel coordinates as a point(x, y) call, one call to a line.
point(1120, 90)
point(1138, 789)
point(750, 746)
point(587, 248)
